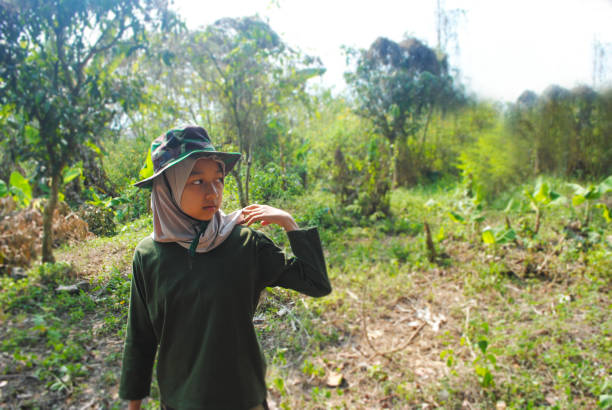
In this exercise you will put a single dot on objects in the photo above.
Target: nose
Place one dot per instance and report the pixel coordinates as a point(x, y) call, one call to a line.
point(209, 189)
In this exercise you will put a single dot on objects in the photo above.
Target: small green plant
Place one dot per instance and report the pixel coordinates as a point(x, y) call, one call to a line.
point(499, 235)
point(589, 195)
point(541, 198)
point(605, 399)
point(483, 363)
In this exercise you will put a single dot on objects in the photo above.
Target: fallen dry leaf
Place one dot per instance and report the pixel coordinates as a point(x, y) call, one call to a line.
point(375, 333)
point(334, 379)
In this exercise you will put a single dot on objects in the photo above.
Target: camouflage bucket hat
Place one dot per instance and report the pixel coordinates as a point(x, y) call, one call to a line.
point(176, 145)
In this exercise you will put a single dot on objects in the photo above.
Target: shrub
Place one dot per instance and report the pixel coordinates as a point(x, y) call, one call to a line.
point(100, 219)
point(491, 164)
point(360, 179)
point(271, 182)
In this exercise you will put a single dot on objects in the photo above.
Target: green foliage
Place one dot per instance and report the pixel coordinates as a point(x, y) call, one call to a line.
point(125, 160)
point(271, 183)
point(589, 195)
point(100, 219)
point(4, 191)
point(249, 73)
point(73, 172)
point(564, 132)
point(491, 163)
point(500, 235)
point(71, 51)
point(20, 189)
point(397, 87)
point(360, 177)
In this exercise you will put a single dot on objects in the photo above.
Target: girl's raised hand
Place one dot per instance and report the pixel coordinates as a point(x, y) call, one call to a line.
point(268, 215)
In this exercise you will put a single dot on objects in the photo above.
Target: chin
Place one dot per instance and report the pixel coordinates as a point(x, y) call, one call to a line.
point(207, 216)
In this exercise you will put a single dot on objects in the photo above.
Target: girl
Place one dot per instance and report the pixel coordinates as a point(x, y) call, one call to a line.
point(197, 280)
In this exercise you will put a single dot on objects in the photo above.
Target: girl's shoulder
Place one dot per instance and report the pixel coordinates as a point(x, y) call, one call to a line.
point(145, 245)
point(249, 236)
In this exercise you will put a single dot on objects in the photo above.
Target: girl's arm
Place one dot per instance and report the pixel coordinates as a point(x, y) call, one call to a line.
point(306, 271)
point(268, 215)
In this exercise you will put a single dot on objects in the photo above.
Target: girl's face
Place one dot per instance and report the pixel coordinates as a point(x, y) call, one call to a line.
point(203, 191)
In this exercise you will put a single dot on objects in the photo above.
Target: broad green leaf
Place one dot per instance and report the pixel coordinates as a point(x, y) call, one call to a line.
point(593, 193)
point(72, 172)
point(478, 218)
point(553, 195)
point(3, 189)
point(93, 147)
point(440, 235)
point(578, 190)
point(488, 237)
point(505, 236)
point(487, 380)
point(604, 211)
point(605, 401)
point(542, 194)
point(456, 217)
point(482, 345)
point(20, 188)
point(147, 170)
point(578, 199)
point(606, 185)
point(532, 201)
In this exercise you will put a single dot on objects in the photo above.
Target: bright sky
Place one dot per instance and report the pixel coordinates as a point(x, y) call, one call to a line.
point(505, 47)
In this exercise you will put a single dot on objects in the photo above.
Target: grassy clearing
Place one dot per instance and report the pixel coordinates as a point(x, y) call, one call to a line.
point(520, 324)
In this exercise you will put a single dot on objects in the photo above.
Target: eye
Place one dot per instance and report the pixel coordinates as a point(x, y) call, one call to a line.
point(196, 182)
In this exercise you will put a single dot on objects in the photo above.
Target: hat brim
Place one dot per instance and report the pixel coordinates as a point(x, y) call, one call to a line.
point(229, 159)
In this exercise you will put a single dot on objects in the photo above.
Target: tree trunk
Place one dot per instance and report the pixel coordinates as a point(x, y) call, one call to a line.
point(47, 245)
point(236, 174)
point(405, 165)
point(248, 174)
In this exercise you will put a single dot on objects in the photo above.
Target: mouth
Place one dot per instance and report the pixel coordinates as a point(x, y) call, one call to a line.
point(209, 207)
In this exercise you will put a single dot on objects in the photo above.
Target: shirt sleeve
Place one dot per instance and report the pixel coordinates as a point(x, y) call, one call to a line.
point(305, 272)
point(140, 343)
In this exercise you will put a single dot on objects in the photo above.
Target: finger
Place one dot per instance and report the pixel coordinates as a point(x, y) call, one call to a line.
point(253, 218)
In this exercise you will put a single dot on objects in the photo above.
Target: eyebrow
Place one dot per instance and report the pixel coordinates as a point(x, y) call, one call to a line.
point(199, 173)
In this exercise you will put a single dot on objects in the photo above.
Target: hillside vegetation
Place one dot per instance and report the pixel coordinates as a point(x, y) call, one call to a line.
point(521, 322)
point(468, 242)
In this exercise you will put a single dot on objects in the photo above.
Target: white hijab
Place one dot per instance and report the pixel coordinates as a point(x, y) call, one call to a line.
point(171, 224)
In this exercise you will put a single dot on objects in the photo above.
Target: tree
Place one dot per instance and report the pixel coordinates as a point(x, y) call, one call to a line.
point(564, 132)
point(248, 73)
point(397, 86)
point(58, 70)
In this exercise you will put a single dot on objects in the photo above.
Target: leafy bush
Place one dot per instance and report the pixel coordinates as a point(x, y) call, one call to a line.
point(491, 164)
point(360, 178)
point(271, 182)
point(54, 273)
point(100, 219)
point(124, 159)
point(132, 204)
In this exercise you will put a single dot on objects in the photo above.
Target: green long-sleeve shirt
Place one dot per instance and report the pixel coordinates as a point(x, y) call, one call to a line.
point(197, 314)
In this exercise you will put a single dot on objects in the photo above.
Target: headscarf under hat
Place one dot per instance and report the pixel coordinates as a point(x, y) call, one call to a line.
point(171, 224)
